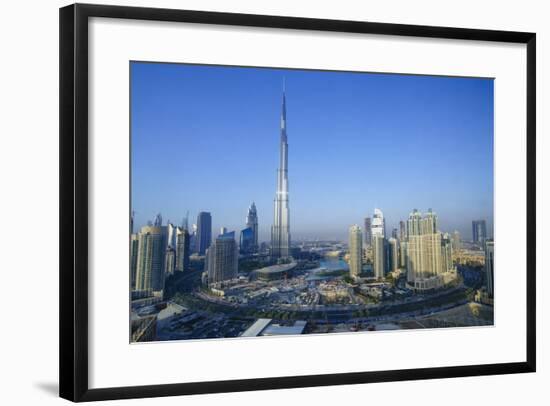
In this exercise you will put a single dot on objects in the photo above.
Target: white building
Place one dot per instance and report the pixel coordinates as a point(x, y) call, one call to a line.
point(378, 224)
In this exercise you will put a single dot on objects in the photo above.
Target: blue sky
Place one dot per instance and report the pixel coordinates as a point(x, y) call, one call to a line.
point(206, 138)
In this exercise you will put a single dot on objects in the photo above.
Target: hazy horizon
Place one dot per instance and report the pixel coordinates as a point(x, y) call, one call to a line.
point(206, 138)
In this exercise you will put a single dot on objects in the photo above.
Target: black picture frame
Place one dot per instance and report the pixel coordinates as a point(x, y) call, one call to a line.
point(73, 254)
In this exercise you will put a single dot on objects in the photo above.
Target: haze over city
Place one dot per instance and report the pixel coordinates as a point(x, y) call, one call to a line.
point(207, 139)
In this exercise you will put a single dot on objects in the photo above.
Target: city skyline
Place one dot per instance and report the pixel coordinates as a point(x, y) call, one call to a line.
point(178, 181)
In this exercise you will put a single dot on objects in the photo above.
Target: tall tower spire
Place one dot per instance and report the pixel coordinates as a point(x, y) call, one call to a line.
point(280, 231)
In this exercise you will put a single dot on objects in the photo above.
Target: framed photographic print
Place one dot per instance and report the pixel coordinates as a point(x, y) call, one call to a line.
point(257, 202)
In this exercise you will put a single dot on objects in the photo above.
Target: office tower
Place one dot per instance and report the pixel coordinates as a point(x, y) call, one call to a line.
point(402, 231)
point(355, 251)
point(403, 254)
point(170, 260)
point(134, 243)
point(490, 266)
point(170, 235)
point(204, 232)
point(368, 232)
point(393, 254)
point(132, 222)
point(378, 226)
point(456, 241)
point(447, 252)
point(479, 231)
point(247, 241)
point(222, 259)
point(183, 246)
point(379, 250)
point(193, 241)
point(252, 222)
point(149, 272)
point(223, 230)
point(164, 233)
point(280, 231)
point(425, 259)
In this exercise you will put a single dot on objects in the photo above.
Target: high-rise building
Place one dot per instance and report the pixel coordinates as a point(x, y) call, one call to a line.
point(380, 259)
point(355, 251)
point(402, 231)
point(429, 254)
point(222, 259)
point(403, 254)
point(246, 242)
point(479, 231)
point(170, 260)
point(368, 232)
point(393, 254)
point(204, 232)
point(223, 230)
point(280, 231)
point(456, 241)
point(149, 271)
point(193, 241)
point(134, 243)
point(183, 243)
point(378, 226)
point(413, 223)
point(252, 222)
point(170, 235)
point(490, 266)
point(447, 252)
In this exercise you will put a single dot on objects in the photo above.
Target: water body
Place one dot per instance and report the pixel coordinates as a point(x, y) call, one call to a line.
point(327, 265)
point(334, 264)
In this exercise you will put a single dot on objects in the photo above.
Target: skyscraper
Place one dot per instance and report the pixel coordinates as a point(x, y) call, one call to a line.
point(394, 233)
point(355, 251)
point(193, 241)
point(183, 243)
point(393, 254)
point(171, 235)
point(429, 253)
point(204, 232)
point(379, 251)
point(378, 226)
point(402, 231)
point(447, 252)
point(368, 232)
point(456, 241)
point(134, 243)
point(280, 231)
point(252, 222)
point(170, 260)
point(490, 266)
point(479, 231)
point(247, 241)
point(222, 259)
point(149, 272)
point(403, 254)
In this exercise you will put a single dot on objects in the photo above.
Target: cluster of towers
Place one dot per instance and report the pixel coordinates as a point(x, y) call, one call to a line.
point(158, 250)
point(417, 247)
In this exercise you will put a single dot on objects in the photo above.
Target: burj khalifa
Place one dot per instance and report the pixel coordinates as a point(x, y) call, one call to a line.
point(280, 231)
